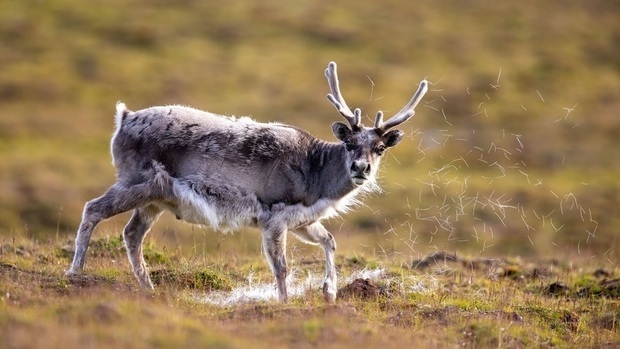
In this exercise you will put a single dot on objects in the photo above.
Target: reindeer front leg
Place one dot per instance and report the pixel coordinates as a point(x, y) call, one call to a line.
point(317, 234)
point(274, 245)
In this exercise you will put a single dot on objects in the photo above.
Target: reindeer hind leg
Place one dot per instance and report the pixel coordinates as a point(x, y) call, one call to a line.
point(117, 199)
point(133, 236)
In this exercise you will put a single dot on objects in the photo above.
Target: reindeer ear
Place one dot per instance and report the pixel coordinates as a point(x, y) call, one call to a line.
point(392, 138)
point(341, 131)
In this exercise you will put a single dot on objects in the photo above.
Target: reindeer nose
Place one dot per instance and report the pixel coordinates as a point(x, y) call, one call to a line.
point(360, 166)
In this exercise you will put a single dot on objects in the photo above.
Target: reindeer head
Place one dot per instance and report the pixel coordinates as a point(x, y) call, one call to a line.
point(366, 145)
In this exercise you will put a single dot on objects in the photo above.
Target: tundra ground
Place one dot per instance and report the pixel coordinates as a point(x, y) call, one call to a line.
point(442, 300)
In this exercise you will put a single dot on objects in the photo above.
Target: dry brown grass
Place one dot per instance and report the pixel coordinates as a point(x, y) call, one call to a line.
point(545, 72)
point(449, 302)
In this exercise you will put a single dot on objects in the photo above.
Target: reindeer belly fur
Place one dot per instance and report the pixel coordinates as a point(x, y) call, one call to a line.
point(225, 208)
point(222, 207)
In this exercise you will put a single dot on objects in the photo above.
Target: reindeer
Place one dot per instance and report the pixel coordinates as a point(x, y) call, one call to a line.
point(228, 172)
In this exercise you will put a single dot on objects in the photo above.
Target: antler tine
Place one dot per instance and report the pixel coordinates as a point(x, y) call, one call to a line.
point(379, 120)
point(408, 110)
point(335, 97)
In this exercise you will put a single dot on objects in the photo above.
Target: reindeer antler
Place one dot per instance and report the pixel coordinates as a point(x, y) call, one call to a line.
point(404, 114)
point(335, 97)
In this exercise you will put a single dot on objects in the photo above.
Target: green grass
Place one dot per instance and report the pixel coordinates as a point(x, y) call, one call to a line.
point(497, 71)
point(471, 307)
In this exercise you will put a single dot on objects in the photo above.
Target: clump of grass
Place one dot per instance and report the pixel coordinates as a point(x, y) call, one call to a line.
point(201, 279)
point(481, 333)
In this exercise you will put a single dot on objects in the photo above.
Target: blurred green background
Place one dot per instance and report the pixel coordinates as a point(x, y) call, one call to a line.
point(513, 151)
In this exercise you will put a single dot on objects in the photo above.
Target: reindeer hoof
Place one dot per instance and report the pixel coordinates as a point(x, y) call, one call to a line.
point(329, 295)
point(72, 272)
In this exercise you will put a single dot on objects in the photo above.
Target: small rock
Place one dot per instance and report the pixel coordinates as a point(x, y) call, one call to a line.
point(556, 288)
point(600, 272)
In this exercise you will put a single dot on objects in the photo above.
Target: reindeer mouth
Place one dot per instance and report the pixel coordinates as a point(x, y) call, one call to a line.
point(358, 179)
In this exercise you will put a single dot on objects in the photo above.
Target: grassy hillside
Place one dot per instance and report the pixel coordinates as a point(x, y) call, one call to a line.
point(513, 151)
point(511, 165)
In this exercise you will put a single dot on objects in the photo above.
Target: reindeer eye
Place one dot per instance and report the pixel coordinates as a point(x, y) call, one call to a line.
point(380, 149)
